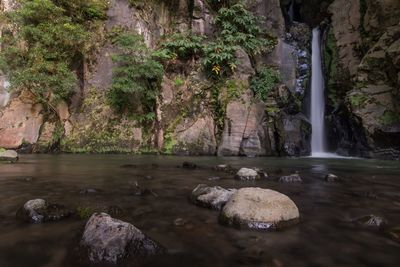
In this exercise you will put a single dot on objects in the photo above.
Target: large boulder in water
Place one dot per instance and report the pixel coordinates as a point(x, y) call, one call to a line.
point(260, 209)
point(211, 197)
point(108, 240)
point(8, 155)
point(40, 211)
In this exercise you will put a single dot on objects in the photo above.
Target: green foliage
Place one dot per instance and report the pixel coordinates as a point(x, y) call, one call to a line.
point(169, 143)
point(389, 117)
point(137, 77)
point(178, 82)
point(2, 149)
point(239, 26)
point(84, 212)
point(357, 100)
point(183, 45)
point(219, 58)
point(51, 37)
point(264, 81)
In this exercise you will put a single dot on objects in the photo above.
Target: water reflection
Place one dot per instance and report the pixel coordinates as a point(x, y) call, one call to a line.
point(321, 239)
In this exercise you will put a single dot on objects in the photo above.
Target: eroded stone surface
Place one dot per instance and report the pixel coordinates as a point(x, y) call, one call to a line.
point(211, 197)
point(260, 209)
point(247, 174)
point(109, 240)
point(20, 121)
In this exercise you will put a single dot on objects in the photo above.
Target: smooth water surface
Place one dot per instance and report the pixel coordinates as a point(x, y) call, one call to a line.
point(324, 236)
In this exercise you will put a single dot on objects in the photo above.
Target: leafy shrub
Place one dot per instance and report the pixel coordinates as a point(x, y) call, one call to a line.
point(239, 26)
point(136, 76)
point(51, 36)
point(263, 82)
point(184, 45)
point(219, 58)
point(357, 100)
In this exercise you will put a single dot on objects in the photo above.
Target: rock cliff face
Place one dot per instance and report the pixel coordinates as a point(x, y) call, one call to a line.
point(188, 122)
point(196, 116)
point(363, 71)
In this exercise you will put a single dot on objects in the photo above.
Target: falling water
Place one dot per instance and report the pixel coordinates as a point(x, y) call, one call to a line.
point(317, 99)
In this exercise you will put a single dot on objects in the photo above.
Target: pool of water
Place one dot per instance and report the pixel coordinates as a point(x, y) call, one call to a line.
point(322, 238)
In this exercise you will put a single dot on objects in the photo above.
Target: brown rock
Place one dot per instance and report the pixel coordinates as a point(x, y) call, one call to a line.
point(20, 121)
point(244, 132)
point(260, 209)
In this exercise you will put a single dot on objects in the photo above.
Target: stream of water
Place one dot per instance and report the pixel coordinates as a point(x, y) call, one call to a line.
point(318, 148)
point(324, 236)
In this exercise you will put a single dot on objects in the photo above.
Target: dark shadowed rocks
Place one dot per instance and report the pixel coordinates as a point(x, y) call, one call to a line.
point(293, 178)
point(108, 240)
point(40, 211)
point(331, 178)
point(211, 197)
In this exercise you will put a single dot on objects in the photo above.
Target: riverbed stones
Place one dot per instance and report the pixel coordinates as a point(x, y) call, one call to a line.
point(370, 221)
point(108, 240)
point(394, 233)
point(189, 165)
point(39, 211)
point(293, 178)
point(225, 168)
point(331, 178)
point(213, 197)
point(246, 174)
point(260, 209)
point(8, 156)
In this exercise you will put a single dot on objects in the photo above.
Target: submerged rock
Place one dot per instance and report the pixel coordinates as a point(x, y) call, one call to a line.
point(370, 221)
point(260, 209)
point(246, 174)
point(331, 178)
point(8, 155)
point(394, 233)
point(225, 168)
point(261, 172)
point(293, 178)
point(143, 191)
point(214, 178)
point(40, 211)
point(211, 197)
point(85, 191)
point(189, 165)
point(179, 222)
point(108, 240)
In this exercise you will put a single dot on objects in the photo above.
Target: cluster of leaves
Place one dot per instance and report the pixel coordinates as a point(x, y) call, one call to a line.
point(137, 76)
point(264, 81)
point(183, 46)
point(238, 27)
point(241, 27)
point(47, 39)
point(220, 58)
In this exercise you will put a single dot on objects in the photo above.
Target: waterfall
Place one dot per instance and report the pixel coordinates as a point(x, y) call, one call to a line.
point(317, 98)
